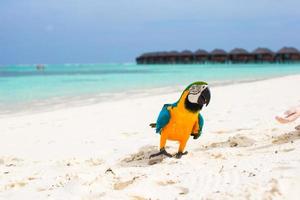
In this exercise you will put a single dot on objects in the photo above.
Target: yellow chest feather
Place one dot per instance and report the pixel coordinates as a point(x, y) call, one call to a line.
point(181, 124)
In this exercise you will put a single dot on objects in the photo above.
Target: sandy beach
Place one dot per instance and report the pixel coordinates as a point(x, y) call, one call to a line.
point(101, 151)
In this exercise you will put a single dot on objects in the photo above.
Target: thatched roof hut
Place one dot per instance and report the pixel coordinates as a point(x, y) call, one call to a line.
point(139, 60)
point(219, 56)
point(201, 56)
point(236, 55)
point(263, 51)
point(150, 58)
point(171, 57)
point(263, 55)
point(288, 50)
point(218, 52)
point(186, 57)
point(186, 53)
point(240, 55)
point(238, 51)
point(200, 52)
point(160, 57)
point(288, 54)
point(173, 53)
point(143, 59)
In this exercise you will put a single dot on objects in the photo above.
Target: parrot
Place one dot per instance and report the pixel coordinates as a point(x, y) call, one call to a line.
point(180, 120)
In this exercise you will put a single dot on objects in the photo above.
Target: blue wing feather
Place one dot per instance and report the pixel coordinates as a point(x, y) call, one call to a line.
point(163, 117)
point(201, 123)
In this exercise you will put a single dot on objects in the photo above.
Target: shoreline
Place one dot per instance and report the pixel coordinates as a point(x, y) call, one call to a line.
point(59, 103)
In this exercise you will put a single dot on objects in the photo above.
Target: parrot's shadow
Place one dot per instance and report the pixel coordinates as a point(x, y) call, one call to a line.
point(141, 158)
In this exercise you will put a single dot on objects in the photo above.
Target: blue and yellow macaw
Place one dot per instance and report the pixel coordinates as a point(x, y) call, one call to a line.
point(182, 119)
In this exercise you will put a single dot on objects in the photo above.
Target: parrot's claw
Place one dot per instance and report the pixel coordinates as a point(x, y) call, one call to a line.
point(152, 125)
point(161, 152)
point(180, 154)
point(195, 136)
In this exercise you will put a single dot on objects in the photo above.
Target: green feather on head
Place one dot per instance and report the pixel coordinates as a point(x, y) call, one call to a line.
point(195, 83)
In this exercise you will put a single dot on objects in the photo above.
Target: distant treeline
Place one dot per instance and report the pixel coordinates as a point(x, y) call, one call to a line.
point(237, 55)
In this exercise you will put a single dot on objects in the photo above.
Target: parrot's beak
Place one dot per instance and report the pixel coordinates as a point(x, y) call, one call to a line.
point(204, 98)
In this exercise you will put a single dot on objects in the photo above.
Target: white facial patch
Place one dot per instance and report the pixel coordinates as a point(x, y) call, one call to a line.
point(193, 98)
point(194, 92)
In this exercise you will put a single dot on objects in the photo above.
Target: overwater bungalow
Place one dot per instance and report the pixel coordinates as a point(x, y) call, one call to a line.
point(201, 56)
point(144, 58)
point(186, 57)
point(141, 59)
point(160, 58)
point(151, 58)
point(218, 56)
point(172, 57)
point(236, 55)
point(264, 55)
point(239, 55)
point(138, 60)
point(288, 54)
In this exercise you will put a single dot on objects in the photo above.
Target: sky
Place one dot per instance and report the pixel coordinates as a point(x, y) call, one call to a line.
point(117, 31)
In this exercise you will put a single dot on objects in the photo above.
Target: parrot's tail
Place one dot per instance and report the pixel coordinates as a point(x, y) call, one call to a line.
point(152, 125)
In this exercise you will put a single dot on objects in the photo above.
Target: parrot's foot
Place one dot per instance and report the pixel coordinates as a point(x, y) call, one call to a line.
point(195, 135)
point(161, 152)
point(180, 154)
point(152, 125)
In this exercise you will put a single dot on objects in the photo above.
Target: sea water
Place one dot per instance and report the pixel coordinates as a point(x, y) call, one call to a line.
point(25, 87)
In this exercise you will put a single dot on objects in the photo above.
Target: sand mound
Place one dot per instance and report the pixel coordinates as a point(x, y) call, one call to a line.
point(10, 161)
point(240, 141)
point(122, 185)
point(234, 141)
point(141, 158)
point(286, 138)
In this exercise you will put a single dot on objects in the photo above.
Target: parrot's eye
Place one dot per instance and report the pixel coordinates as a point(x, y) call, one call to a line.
point(195, 89)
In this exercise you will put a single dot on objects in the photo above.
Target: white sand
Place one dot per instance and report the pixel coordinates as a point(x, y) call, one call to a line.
point(101, 151)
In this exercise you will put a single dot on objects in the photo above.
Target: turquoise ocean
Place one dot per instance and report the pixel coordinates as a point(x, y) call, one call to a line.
point(23, 87)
